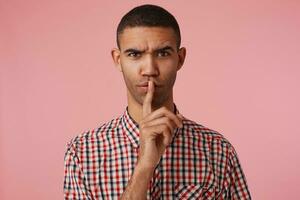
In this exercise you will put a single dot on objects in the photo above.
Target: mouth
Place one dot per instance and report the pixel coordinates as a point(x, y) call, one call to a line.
point(145, 84)
point(143, 87)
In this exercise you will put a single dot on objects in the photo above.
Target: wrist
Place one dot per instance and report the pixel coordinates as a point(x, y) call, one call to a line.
point(138, 183)
point(146, 170)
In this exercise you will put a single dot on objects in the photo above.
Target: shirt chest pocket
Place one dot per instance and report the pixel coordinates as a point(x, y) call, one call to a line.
point(191, 192)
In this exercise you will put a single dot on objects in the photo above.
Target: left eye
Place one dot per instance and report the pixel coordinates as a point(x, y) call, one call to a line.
point(163, 53)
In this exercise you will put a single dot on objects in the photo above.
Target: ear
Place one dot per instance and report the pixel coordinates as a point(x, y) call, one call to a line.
point(116, 53)
point(181, 56)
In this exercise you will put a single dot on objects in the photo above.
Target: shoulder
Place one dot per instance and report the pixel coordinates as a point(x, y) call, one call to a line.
point(206, 137)
point(89, 139)
point(217, 149)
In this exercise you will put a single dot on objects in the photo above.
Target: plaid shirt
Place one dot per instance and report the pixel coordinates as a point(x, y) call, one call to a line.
point(199, 164)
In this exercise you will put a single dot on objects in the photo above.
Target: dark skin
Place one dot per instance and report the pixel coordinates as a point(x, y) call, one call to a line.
point(149, 60)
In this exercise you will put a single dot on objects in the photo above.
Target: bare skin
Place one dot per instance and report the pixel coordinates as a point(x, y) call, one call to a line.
point(156, 132)
point(148, 53)
point(149, 60)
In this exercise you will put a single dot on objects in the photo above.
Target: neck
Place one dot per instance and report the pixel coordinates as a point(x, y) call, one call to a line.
point(135, 109)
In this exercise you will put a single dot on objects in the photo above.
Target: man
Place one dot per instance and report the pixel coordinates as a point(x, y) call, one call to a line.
point(151, 151)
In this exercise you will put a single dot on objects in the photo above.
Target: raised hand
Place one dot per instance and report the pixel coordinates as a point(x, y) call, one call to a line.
point(156, 131)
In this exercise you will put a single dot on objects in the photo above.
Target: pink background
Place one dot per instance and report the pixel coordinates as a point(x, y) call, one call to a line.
point(57, 79)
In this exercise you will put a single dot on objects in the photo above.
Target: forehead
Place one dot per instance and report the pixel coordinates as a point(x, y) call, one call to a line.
point(147, 38)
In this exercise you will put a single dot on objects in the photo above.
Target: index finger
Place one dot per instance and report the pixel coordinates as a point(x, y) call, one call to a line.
point(147, 104)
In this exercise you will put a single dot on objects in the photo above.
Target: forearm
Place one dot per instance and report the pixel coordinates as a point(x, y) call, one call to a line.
point(138, 184)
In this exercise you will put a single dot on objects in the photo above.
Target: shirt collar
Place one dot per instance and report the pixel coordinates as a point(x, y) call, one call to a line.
point(131, 127)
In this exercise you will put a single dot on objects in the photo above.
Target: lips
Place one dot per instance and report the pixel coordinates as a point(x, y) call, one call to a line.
point(145, 84)
point(143, 87)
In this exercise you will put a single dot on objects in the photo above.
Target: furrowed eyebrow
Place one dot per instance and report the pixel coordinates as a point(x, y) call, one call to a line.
point(133, 50)
point(156, 50)
point(165, 49)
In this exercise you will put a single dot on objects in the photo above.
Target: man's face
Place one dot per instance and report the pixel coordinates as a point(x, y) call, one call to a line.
point(149, 53)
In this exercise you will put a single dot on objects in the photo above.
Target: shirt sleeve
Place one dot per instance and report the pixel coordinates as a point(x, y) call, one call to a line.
point(75, 186)
point(238, 187)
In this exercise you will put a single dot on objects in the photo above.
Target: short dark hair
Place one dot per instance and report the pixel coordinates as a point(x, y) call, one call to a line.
point(149, 16)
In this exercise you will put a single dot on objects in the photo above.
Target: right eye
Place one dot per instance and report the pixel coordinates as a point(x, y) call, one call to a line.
point(133, 54)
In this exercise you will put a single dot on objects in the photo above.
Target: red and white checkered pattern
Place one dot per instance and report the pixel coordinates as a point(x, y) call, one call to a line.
point(199, 164)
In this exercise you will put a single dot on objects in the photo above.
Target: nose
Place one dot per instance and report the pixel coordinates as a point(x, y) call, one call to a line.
point(149, 66)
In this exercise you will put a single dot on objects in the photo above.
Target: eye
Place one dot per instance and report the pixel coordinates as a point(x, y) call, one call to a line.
point(134, 54)
point(163, 53)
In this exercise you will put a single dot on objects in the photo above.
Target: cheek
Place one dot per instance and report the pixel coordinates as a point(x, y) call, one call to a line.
point(129, 66)
point(129, 72)
point(168, 68)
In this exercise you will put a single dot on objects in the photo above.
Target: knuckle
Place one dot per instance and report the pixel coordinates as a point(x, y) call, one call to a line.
point(167, 120)
point(142, 125)
point(168, 129)
point(165, 128)
point(145, 129)
point(164, 109)
point(172, 126)
point(172, 122)
point(142, 121)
